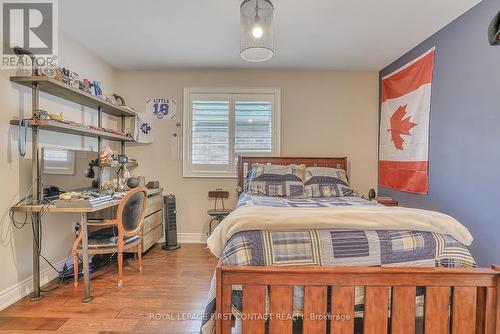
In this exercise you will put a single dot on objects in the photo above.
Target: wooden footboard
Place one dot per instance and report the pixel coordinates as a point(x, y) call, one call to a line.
point(474, 307)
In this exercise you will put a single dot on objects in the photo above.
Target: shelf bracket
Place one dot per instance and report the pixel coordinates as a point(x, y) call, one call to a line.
point(36, 192)
point(122, 143)
point(99, 146)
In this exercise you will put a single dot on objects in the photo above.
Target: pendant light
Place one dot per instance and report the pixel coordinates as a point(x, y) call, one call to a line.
point(257, 40)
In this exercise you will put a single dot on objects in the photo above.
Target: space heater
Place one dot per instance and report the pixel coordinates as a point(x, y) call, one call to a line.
point(170, 223)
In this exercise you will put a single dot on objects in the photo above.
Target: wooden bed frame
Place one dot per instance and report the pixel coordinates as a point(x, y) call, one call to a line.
point(475, 293)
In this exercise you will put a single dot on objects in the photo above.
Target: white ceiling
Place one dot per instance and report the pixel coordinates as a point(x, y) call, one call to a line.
point(319, 34)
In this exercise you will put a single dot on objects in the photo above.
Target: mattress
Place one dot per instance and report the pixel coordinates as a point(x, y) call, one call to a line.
point(332, 247)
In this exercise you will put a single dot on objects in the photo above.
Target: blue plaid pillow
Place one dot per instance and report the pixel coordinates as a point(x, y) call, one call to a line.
point(274, 180)
point(326, 182)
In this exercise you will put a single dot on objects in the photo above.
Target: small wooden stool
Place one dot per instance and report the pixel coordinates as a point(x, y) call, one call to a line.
point(217, 214)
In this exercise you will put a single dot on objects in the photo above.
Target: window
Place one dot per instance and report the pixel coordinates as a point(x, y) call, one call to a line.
point(222, 123)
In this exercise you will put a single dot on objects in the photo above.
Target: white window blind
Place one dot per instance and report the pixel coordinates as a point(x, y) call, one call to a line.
point(253, 131)
point(221, 124)
point(210, 133)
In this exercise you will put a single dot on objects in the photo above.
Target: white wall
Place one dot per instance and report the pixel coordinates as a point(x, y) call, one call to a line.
point(324, 113)
point(15, 172)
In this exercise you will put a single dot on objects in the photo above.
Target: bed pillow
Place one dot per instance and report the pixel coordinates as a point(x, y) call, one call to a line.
point(274, 180)
point(326, 182)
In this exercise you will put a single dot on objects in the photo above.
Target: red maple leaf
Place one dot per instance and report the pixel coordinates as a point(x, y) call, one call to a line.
point(400, 126)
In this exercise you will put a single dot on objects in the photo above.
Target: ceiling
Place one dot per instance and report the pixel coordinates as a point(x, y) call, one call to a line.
point(309, 34)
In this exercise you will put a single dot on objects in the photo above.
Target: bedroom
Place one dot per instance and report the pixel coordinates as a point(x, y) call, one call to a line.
point(321, 94)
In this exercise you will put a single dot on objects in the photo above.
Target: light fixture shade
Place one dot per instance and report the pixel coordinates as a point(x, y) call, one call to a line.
point(257, 36)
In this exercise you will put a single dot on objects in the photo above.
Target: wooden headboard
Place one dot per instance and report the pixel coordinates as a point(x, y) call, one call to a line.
point(246, 163)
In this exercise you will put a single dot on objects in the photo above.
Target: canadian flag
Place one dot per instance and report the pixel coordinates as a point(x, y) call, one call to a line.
point(404, 126)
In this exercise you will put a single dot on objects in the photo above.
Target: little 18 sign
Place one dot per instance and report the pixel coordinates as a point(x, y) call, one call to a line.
point(162, 107)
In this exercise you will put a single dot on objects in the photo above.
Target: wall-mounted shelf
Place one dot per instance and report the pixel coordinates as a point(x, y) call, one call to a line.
point(67, 92)
point(75, 130)
point(59, 89)
point(130, 164)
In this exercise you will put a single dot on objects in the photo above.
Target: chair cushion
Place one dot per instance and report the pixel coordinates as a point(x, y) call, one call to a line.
point(107, 238)
point(132, 210)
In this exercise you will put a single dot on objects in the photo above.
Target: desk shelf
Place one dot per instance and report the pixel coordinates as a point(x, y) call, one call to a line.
point(130, 164)
point(75, 130)
point(67, 92)
point(37, 207)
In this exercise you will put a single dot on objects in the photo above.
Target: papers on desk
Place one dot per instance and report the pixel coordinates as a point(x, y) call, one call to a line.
point(83, 203)
point(119, 195)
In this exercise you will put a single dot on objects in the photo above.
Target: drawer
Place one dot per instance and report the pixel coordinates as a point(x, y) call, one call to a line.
point(109, 213)
point(152, 221)
point(149, 239)
point(155, 203)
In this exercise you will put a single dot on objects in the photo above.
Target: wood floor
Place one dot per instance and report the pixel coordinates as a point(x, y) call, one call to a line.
point(154, 301)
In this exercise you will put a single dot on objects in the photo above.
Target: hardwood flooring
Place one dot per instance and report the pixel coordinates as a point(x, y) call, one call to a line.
point(167, 297)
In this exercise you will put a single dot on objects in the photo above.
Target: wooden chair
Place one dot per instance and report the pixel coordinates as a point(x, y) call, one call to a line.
point(123, 234)
point(218, 214)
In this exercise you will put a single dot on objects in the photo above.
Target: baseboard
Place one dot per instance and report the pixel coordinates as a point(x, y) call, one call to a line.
point(192, 238)
point(16, 292)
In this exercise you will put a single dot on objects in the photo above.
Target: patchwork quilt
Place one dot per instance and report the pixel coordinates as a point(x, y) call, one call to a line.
point(285, 202)
point(313, 247)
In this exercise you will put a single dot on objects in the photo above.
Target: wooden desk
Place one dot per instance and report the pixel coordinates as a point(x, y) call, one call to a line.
point(53, 209)
point(83, 211)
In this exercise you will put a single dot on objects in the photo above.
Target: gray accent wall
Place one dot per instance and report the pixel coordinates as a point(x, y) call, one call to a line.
point(464, 152)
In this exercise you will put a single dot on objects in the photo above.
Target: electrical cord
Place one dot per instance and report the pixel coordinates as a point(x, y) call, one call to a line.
point(38, 239)
point(25, 200)
point(66, 268)
point(62, 274)
point(21, 143)
point(18, 225)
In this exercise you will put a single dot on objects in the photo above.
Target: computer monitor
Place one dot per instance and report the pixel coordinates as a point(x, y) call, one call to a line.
point(64, 170)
